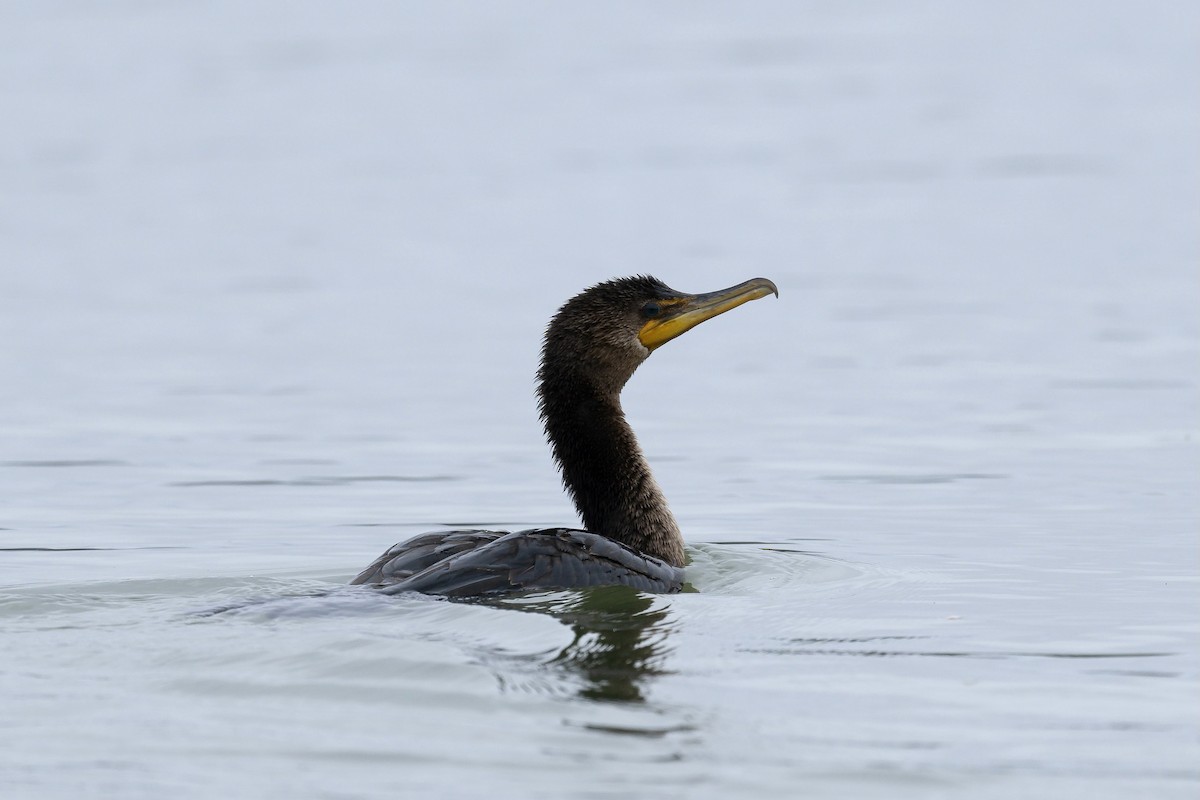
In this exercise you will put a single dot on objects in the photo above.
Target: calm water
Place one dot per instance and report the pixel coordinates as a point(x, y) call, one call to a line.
point(272, 282)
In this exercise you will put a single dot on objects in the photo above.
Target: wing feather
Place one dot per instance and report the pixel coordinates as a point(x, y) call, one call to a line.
point(472, 563)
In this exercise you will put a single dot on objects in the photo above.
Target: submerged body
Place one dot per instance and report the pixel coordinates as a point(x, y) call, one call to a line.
point(591, 348)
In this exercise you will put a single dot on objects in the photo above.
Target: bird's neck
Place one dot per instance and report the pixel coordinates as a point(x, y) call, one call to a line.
point(604, 470)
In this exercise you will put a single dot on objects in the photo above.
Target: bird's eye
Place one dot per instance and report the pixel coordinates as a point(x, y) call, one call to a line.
point(651, 310)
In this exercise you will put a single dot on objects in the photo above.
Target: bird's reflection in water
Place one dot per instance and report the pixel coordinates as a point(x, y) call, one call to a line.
point(620, 638)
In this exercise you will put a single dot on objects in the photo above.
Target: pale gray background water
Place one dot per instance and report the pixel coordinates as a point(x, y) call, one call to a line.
point(272, 281)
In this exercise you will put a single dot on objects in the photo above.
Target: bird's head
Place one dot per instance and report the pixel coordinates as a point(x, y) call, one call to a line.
point(604, 333)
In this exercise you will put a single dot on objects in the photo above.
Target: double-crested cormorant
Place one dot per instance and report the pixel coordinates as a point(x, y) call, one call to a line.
point(591, 348)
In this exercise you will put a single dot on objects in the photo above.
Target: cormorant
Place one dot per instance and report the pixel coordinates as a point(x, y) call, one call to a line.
point(591, 348)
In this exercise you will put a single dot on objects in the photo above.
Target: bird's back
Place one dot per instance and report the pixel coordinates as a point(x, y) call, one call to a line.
point(466, 563)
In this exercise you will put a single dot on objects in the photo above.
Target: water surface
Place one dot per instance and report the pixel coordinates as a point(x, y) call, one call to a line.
point(272, 282)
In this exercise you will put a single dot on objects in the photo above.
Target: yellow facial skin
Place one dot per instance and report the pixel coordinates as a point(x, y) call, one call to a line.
point(680, 314)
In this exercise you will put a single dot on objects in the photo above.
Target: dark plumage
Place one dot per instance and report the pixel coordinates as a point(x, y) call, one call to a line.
point(590, 351)
point(591, 348)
